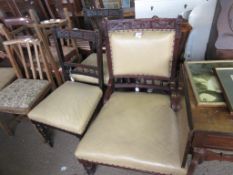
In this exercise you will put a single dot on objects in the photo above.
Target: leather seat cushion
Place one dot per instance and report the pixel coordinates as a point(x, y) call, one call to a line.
point(144, 52)
point(92, 60)
point(69, 107)
point(22, 94)
point(137, 131)
point(7, 75)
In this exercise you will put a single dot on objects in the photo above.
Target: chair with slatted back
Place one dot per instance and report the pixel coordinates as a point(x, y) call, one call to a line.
point(140, 130)
point(71, 106)
point(34, 78)
point(96, 16)
point(22, 30)
point(44, 34)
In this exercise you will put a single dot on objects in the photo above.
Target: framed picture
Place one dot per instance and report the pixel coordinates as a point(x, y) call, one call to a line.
point(204, 82)
point(225, 77)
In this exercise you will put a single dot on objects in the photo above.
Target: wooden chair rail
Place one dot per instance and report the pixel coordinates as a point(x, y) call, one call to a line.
point(101, 13)
point(76, 34)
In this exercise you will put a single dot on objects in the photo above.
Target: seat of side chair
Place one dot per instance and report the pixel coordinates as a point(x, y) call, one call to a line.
point(22, 94)
point(70, 107)
point(137, 131)
point(7, 75)
point(91, 60)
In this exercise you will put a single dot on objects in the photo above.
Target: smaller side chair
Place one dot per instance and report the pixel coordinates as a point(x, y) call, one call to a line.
point(71, 106)
point(34, 79)
point(32, 84)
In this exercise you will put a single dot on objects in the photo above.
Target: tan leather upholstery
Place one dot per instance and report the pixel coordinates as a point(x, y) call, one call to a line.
point(92, 60)
point(135, 130)
point(148, 52)
point(7, 75)
point(70, 107)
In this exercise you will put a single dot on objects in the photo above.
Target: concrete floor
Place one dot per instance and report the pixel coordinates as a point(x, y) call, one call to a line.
point(25, 154)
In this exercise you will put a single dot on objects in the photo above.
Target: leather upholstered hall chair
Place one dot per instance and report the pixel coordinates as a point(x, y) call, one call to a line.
point(140, 130)
point(71, 106)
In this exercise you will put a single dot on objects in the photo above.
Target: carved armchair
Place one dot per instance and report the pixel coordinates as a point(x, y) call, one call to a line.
point(71, 106)
point(140, 130)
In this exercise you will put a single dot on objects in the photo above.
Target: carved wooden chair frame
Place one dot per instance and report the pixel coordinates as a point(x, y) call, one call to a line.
point(142, 82)
point(68, 68)
point(91, 36)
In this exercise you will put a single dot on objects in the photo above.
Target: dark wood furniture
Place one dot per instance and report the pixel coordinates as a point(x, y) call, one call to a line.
point(110, 138)
point(72, 105)
point(212, 130)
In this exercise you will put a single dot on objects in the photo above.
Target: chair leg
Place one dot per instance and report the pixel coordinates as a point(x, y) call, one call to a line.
point(89, 167)
point(197, 159)
point(43, 130)
point(9, 124)
point(6, 129)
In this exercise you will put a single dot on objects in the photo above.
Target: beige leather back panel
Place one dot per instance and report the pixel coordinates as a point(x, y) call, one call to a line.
point(145, 52)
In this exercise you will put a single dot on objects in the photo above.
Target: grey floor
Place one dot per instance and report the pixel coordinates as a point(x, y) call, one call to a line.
point(25, 154)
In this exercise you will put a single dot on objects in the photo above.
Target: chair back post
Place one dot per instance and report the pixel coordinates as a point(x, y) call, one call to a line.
point(60, 54)
point(100, 57)
point(49, 9)
point(77, 68)
point(13, 62)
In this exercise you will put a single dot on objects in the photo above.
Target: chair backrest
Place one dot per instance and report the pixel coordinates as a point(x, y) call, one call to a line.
point(77, 68)
point(144, 53)
point(31, 62)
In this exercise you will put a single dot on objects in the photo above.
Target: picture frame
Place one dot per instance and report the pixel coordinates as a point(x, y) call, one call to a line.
point(204, 83)
point(225, 77)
